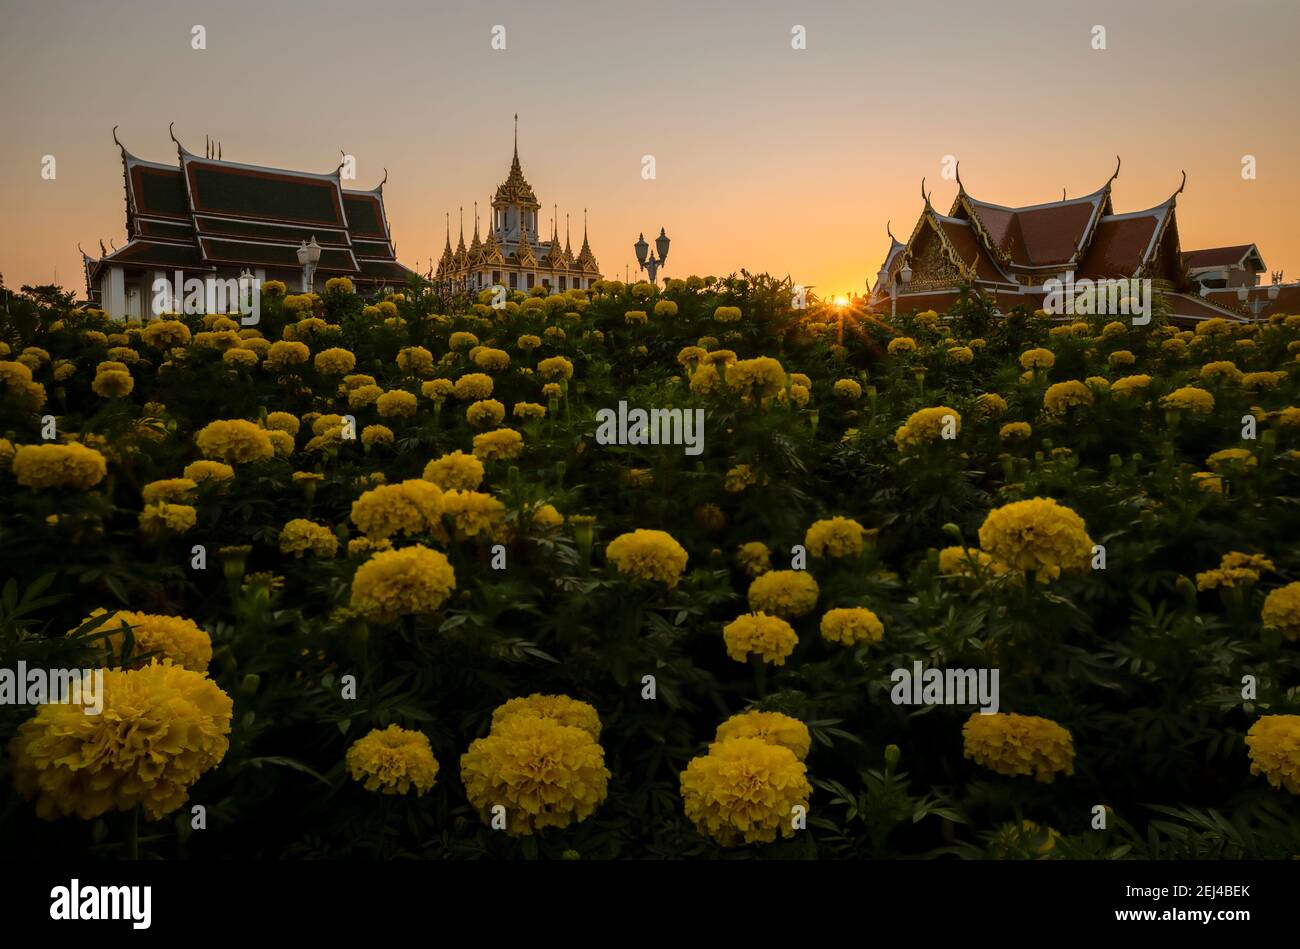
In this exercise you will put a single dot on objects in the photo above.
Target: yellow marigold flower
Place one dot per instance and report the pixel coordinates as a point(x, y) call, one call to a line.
point(160, 729)
point(285, 354)
point(283, 422)
point(771, 727)
point(528, 410)
point(967, 562)
point(473, 513)
point(7, 452)
point(377, 435)
point(59, 466)
point(474, 385)
point(112, 384)
point(543, 773)
point(456, 470)
point(1037, 534)
point(414, 359)
point(402, 582)
point(364, 396)
point(1282, 610)
point(1121, 357)
point(721, 357)
point(558, 708)
point(169, 489)
point(491, 360)
point(165, 334)
point(485, 413)
point(462, 341)
point(648, 555)
point(1231, 458)
point(1064, 396)
point(240, 357)
point(759, 378)
point(281, 442)
point(204, 470)
point(727, 314)
point(665, 308)
point(301, 536)
point(547, 518)
point(744, 791)
point(355, 381)
point(335, 362)
point(1255, 381)
point(1274, 743)
point(847, 389)
point(739, 478)
point(1037, 359)
point(1130, 385)
point(705, 380)
point(1015, 432)
point(961, 354)
point(1189, 399)
point(396, 404)
point(503, 443)
point(234, 441)
point(990, 405)
point(364, 546)
point(1019, 745)
point(925, 426)
point(850, 625)
point(437, 389)
point(754, 558)
point(414, 507)
point(1207, 481)
point(552, 390)
point(835, 537)
point(338, 285)
point(170, 637)
point(555, 368)
point(161, 516)
point(784, 593)
point(799, 395)
point(393, 760)
point(528, 342)
point(770, 638)
point(1224, 371)
point(902, 344)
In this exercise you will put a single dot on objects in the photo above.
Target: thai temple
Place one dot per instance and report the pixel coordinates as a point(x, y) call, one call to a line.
point(1007, 254)
point(209, 217)
point(512, 254)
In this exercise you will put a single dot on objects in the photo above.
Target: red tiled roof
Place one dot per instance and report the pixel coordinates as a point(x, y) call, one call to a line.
point(1039, 235)
point(1217, 256)
point(1288, 300)
point(968, 247)
point(1119, 246)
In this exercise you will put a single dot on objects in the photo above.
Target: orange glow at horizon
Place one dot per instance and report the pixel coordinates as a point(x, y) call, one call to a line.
point(766, 158)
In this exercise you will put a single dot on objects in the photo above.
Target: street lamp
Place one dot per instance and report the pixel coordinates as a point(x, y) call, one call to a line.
point(650, 263)
point(1257, 302)
point(904, 276)
point(308, 258)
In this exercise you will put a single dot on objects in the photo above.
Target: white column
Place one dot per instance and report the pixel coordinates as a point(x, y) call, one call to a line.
point(114, 297)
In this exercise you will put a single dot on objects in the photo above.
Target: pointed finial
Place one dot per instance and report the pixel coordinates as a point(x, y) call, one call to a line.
point(102, 249)
point(566, 228)
point(924, 196)
point(385, 181)
point(516, 135)
point(1116, 174)
point(116, 142)
point(960, 187)
point(218, 151)
point(1181, 186)
point(1062, 195)
point(171, 130)
point(889, 232)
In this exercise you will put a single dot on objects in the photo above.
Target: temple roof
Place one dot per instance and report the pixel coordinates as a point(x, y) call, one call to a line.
point(208, 211)
point(516, 189)
point(1238, 255)
point(1040, 235)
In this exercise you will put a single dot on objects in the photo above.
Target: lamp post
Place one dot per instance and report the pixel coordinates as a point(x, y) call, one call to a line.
point(308, 258)
point(1257, 302)
point(904, 275)
point(650, 263)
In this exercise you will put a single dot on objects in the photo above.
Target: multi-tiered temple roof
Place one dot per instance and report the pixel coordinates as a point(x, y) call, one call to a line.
point(1007, 253)
point(206, 214)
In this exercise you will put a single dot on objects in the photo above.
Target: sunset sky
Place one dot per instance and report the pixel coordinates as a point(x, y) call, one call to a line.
point(767, 158)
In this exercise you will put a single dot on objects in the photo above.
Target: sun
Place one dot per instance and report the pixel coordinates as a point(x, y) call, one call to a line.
point(841, 301)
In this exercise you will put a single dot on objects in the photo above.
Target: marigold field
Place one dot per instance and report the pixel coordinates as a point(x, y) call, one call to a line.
point(365, 582)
